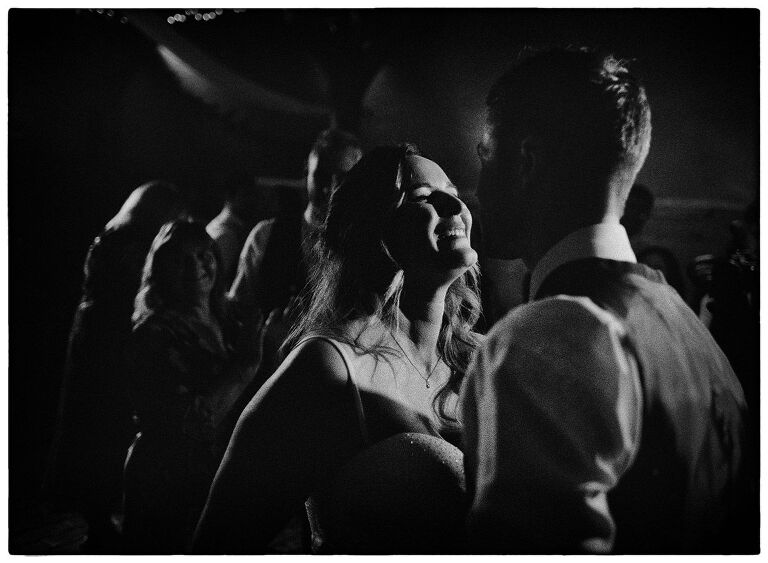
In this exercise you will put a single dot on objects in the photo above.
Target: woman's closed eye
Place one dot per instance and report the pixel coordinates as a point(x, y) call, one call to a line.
point(419, 194)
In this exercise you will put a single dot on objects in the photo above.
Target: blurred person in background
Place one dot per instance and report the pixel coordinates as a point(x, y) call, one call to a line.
point(243, 205)
point(94, 423)
point(185, 368)
point(272, 268)
point(730, 304)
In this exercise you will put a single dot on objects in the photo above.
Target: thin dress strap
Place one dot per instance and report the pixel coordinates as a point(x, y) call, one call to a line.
point(350, 381)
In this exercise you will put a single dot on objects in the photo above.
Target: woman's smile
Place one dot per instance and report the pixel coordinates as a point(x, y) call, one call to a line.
point(451, 231)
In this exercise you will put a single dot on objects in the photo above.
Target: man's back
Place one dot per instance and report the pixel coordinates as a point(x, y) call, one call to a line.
point(229, 232)
point(271, 267)
point(616, 409)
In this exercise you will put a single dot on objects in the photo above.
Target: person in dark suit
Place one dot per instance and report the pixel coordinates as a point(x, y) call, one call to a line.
point(601, 417)
point(94, 425)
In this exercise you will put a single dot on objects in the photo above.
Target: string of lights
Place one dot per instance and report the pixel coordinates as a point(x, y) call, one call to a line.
point(190, 15)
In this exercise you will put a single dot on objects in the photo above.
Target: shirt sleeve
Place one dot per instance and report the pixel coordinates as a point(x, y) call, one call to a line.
point(552, 409)
point(226, 239)
point(244, 287)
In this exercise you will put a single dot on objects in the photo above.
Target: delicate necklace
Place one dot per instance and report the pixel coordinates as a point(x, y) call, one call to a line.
point(407, 357)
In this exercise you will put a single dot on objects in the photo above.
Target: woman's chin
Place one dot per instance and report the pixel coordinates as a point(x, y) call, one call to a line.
point(460, 258)
point(442, 267)
point(453, 265)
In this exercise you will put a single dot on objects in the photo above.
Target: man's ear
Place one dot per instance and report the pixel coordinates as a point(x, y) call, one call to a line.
point(529, 158)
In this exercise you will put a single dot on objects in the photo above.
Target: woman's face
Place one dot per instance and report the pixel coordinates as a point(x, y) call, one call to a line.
point(196, 269)
point(430, 231)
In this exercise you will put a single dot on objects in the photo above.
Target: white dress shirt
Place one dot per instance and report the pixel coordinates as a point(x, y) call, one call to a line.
point(229, 232)
point(244, 287)
point(604, 240)
point(551, 407)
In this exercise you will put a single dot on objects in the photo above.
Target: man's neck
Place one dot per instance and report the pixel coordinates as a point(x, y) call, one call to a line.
point(606, 240)
point(542, 240)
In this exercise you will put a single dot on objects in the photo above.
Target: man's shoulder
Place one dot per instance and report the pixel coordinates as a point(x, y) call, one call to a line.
point(264, 225)
point(259, 235)
point(552, 316)
point(221, 217)
point(554, 326)
point(552, 347)
point(219, 227)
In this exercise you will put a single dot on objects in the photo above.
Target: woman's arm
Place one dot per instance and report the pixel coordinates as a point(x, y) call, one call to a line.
point(224, 384)
point(294, 433)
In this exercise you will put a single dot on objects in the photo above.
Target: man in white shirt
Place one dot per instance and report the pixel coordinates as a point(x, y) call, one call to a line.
point(243, 203)
point(272, 268)
point(600, 417)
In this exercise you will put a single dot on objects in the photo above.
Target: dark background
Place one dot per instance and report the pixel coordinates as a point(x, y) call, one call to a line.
point(94, 111)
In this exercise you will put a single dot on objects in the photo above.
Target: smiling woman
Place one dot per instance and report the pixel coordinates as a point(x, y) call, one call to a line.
point(430, 229)
point(380, 352)
point(184, 374)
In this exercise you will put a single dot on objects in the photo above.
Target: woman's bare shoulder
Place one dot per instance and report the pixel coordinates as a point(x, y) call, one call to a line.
point(319, 358)
point(311, 379)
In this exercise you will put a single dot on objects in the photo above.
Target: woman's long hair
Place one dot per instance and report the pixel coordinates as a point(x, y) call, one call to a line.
point(353, 275)
point(161, 290)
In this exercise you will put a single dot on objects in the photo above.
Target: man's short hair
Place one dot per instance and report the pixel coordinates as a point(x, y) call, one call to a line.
point(587, 103)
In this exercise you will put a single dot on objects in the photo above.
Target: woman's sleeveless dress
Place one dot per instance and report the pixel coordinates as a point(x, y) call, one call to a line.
point(403, 494)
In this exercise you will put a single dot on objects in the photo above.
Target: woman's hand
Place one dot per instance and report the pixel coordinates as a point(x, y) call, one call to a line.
point(247, 346)
point(276, 329)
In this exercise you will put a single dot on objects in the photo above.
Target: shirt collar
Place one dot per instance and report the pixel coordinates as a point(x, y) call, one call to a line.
point(603, 240)
point(228, 216)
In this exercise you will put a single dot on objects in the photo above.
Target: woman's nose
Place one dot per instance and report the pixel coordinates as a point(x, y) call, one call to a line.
point(446, 204)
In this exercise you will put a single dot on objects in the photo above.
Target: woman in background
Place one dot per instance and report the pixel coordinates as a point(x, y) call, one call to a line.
point(94, 423)
point(184, 374)
point(371, 378)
